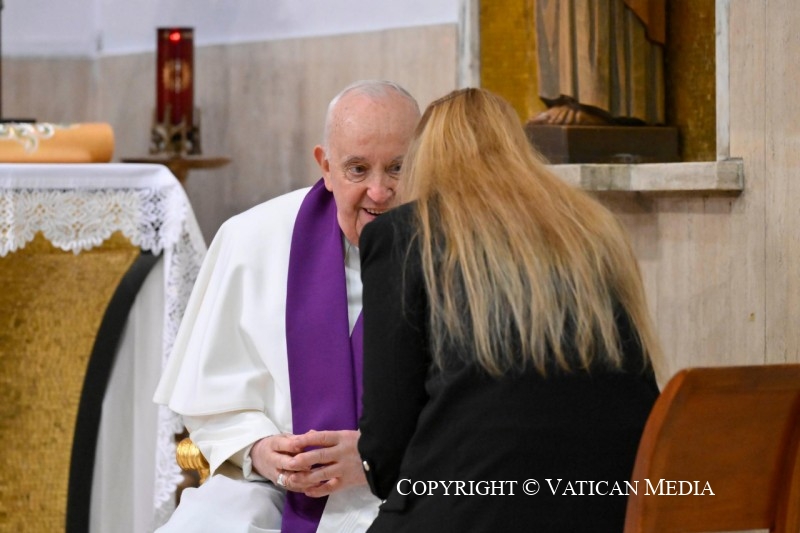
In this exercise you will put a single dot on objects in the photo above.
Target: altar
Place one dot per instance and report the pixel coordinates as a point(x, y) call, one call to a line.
point(97, 262)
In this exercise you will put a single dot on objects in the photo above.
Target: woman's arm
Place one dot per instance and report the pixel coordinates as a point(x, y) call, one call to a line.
point(396, 357)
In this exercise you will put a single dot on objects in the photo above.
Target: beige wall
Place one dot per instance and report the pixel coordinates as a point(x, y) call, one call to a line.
point(721, 271)
point(262, 104)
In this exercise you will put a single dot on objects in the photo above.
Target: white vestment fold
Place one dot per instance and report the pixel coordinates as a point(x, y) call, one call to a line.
point(228, 372)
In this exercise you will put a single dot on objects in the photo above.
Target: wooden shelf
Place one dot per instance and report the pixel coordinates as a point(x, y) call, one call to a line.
point(712, 177)
point(180, 165)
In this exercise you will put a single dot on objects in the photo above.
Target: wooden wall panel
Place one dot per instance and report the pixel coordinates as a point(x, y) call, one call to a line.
point(781, 108)
point(747, 90)
point(48, 89)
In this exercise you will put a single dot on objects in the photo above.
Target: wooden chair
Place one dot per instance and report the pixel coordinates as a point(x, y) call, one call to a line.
point(735, 428)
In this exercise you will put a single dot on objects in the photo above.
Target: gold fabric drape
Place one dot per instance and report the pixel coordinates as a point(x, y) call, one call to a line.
point(51, 305)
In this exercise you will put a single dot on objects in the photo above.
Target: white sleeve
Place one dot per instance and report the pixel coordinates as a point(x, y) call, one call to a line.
point(227, 375)
point(229, 437)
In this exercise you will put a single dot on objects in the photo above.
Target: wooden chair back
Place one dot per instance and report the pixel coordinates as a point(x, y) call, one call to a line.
point(733, 431)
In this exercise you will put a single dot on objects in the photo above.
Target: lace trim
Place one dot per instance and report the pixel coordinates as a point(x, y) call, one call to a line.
point(157, 219)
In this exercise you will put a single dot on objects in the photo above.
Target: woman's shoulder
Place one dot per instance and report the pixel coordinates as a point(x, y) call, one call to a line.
point(394, 225)
point(400, 217)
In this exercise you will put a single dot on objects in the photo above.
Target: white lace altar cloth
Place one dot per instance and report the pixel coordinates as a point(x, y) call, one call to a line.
point(78, 207)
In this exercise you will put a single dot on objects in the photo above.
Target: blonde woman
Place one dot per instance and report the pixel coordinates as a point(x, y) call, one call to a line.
point(506, 339)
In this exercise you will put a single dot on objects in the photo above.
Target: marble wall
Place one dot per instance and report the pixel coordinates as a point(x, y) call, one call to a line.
point(262, 104)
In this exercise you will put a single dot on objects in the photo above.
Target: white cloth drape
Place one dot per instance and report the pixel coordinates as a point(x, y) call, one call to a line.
point(123, 486)
point(77, 207)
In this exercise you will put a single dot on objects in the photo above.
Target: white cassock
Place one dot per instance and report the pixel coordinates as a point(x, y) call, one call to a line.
point(228, 375)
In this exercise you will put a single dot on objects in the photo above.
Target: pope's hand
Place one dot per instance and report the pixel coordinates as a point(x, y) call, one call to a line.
point(271, 456)
point(330, 465)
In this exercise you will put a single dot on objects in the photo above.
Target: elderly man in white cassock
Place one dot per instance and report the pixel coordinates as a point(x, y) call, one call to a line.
point(266, 368)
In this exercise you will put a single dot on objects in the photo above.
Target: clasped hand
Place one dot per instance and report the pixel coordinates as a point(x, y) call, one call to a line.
point(317, 463)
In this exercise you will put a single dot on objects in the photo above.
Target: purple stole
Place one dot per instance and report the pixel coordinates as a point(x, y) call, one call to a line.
point(325, 363)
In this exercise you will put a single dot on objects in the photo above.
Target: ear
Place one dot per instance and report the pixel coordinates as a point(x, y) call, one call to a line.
point(324, 165)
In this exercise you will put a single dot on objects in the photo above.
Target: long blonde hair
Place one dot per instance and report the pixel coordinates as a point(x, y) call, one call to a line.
point(512, 255)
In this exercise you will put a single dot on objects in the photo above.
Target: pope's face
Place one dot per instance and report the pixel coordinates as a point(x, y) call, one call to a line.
point(367, 140)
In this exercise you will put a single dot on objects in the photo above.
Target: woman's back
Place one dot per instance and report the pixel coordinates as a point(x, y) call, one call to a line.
point(506, 338)
point(483, 438)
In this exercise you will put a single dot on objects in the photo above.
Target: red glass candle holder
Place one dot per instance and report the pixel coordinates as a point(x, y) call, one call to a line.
point(175, 76)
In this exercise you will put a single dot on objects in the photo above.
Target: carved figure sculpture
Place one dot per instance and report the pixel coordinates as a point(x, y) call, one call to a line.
point(601, 61)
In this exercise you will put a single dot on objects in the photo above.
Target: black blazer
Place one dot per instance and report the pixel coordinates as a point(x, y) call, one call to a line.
point(569, 437)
